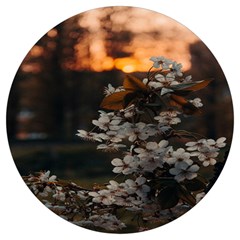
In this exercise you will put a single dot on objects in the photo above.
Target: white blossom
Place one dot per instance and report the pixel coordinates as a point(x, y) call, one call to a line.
point(45, 177)
point(110, 147)
point(59, 194)
point(206, 150)
point(90, 136)
point(197, 102)
point(182, 171)
point(138, 186)
point(126, 166)
point(220, 143)
point(168, 118)
point(110, 89)
point(107, 121)
point(187, 79)
point(200, 196)
point(208, 157)
point(163, 81)
point(203, 144)
point(82, 195)
point(136, 131)
point(176, 69)
point(151, 155)
point(45, 191)
point(180, 155)
point(161, 61)
point(102, 122)
point(103, 196)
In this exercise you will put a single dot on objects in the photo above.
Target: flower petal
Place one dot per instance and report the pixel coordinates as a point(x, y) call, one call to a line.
point(117, 162)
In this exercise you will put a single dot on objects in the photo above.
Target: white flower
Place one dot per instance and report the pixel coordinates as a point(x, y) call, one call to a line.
point(59, 194)
point(154, 84)
point(110, 89)
point(145, 81)
point(103, 196)
point(45, 177)
point(45, 191)
point(220, 143)
point(133, 204)
point(196, 102)
point(126, 166)
point(208, 157)
point(206, 150)
point(139, 130)
point(151, 155)
point(137, 187)
point(114, 124)
point(168, 158)
point(183, 171)
point(180, 156)
point(149, 148)
point(82, 195)
point(110, 147)
point(114, 136)
point(91, 136)
point(82, 134)
point(107, 121)
point(200, 196)
point(203, 144)
point(176, 69)
point(102, 122)
point(168, 118)
point(161, 81)
point(187, 79)
point(161, 62)
point(118, 190)
point(129, 111)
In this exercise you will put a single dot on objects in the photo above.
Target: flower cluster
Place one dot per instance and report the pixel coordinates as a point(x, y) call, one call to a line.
point(206, 150)
point(160, 168)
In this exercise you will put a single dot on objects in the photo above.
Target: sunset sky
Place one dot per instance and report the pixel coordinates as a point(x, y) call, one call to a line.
point(171, 39)
point(137, 33)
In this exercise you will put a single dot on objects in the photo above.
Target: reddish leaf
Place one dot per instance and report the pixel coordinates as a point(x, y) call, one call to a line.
point(134, 84)
point(114, 101)
point(184, 104)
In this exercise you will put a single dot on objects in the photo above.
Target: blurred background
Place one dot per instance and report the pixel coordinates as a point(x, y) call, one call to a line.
point(59, 86)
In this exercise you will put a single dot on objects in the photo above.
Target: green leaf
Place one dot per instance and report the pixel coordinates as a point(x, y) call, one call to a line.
point(168, 197)
point(186, 88)
point(186, 196)
point(195, 185)
point(192, 86)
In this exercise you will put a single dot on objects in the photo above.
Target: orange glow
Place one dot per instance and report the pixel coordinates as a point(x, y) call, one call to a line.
point(52, 33)
point(36, 51)
point(128, 69)
point(131, 64)
point(153, 35)
point(126, 64)
point(107, 63)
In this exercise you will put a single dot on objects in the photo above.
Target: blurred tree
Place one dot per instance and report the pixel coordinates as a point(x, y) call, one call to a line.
point(59, 85)
point(217, 94)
